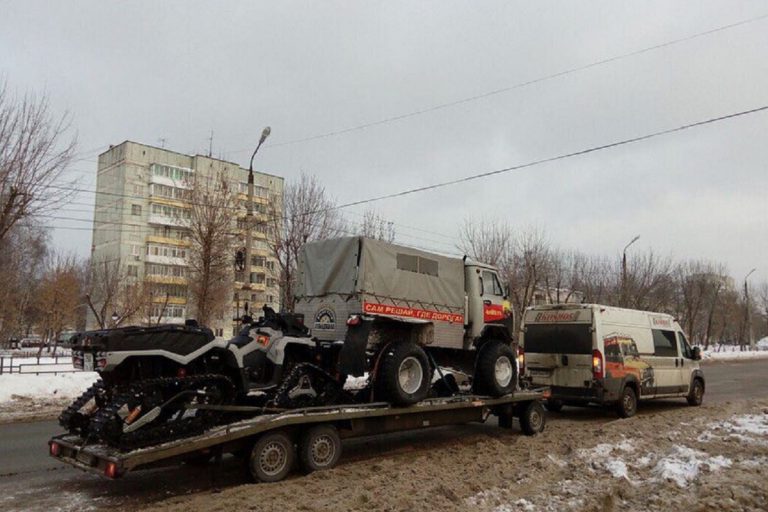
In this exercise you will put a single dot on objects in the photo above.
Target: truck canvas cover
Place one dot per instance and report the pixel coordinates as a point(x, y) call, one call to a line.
point(386, 279)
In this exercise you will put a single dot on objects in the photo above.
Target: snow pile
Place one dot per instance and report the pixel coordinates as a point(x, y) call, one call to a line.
point(17, 386)
point(747, 428)
point(683, 465)
point(731, 352)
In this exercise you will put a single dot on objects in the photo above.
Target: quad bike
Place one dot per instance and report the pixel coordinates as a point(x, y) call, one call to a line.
point(166, 382)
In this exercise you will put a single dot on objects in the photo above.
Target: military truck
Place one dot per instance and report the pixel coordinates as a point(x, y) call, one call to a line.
point(399, 313)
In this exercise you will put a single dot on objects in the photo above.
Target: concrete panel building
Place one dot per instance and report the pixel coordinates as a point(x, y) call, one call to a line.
point(139, 221)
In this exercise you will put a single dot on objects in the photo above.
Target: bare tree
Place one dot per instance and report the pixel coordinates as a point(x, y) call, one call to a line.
point(308, 214)
point(33, 156)
point(376, 226)
point(488, 241)
point(59, 298)
point(111, 291)
point(211, 223)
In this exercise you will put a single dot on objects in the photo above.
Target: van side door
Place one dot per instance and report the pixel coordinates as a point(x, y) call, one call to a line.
point(665, 362)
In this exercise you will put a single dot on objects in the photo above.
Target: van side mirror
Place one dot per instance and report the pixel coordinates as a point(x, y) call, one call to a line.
point(696, 353)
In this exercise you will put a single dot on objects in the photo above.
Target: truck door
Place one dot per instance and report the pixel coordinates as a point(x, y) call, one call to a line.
point(485, 297)
point(665, 362)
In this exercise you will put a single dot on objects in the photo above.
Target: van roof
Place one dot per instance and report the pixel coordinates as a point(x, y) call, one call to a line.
point(601, 307)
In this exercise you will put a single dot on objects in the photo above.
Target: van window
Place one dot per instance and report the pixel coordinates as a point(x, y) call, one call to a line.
point(664, 343)
point(685, 348)
point(558, 338)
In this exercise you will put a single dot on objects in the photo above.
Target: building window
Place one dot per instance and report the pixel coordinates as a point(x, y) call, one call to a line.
point(132, 271)
point(135, 209)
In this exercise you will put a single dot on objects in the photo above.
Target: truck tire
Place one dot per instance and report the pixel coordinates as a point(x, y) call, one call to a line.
point(532, 418)
point(696, 394)
point(554, 405)
point(404, 374)
point(320, 448)
point(495, 373)
point(272, 457)
point(627, 404)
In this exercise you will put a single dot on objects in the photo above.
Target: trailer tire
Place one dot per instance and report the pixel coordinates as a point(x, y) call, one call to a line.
point(404, 376)
point(319, 449)
point(532, 418)
point(495, 372)
point(272, 457)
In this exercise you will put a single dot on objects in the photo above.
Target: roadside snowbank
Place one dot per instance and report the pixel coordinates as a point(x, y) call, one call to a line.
point(731, 352)
point(17, 386)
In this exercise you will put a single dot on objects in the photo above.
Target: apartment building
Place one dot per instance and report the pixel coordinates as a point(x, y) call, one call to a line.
point(141, 208)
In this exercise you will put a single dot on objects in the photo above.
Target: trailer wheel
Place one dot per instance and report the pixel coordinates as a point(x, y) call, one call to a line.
point(320, 448)
point(532, 418)
point(404, 376)
point(272, 457)
point(495, 369)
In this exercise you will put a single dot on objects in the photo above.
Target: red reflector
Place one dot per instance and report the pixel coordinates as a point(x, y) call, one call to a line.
point(181, 373)
point(111, 470)
point(55, 448)
point(353, 320)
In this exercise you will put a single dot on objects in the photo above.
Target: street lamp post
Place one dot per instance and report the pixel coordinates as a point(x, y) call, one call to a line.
point(249, 212)
point(624, 270)
point(747, 316)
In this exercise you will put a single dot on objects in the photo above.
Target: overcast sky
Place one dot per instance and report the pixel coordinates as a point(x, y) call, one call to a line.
point(177, 70)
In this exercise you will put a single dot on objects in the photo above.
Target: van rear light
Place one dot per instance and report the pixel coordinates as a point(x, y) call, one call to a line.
point(597, 364)
point(521, 359)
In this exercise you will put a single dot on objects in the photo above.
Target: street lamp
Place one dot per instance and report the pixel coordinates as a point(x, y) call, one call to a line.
point(747, 316)
point(624, 270)
point(249, 212)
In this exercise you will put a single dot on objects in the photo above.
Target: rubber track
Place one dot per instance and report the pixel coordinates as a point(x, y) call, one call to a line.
point(71, 418)
point(282, 399)
point(106, 419)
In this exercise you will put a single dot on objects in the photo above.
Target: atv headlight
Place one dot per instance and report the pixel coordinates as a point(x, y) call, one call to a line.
point(262, 339)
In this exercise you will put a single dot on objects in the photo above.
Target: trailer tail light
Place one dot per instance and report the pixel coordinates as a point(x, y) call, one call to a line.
point(521, 359)
point(597, 364)
point(354, 320)
point(55, 449)
point(111, 470)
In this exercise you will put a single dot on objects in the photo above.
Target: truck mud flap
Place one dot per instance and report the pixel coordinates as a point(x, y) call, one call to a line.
point(352, 355)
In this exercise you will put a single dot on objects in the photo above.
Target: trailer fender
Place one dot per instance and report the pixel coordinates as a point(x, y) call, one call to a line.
point(352, 354)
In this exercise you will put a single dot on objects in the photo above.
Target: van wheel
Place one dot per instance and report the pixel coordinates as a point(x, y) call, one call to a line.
point(272, 457)
point(404, 376)
point(696, 395)
point(495, 369)
point(554, 405)
point(627, 406)
point(533, 418)
point(320, 448)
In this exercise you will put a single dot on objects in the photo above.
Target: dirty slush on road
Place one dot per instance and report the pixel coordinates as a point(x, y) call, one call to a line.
point(668, 457)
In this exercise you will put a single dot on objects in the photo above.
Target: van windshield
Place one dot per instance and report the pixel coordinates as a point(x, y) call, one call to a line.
point(558, 339)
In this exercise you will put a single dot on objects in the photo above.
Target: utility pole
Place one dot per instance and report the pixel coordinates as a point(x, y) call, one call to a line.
point(747, 316)
point(210, 145)
point(249, 212)
point(624, 271)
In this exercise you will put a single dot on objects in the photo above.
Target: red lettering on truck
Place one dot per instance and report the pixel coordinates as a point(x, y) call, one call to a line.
point(405, 312)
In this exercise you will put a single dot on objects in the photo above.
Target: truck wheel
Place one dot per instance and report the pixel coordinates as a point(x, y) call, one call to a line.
point(553, 405)
point(495, 369)
point(320, 448)
point(533, 418)
point(696, 394)
point(272, 457)
point(404, 376)
point(627, 405)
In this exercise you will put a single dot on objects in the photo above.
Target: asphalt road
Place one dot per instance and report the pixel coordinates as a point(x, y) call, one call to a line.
point(31, 480)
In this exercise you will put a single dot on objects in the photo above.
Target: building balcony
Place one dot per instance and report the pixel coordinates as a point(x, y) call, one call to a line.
point(164, 180)
point(166, 280)
point(165, 260)
point(167, 221)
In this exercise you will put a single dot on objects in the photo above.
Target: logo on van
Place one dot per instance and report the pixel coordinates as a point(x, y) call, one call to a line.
point(557, 316)
point(325, 319)
point(660, 321)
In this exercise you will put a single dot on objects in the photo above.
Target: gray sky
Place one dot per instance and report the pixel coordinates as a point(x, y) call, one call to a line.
point(177, 70)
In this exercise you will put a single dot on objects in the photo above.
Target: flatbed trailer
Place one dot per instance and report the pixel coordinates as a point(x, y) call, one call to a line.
point(273, 442)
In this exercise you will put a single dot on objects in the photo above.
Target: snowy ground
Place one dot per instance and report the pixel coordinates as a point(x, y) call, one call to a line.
point(732, 352)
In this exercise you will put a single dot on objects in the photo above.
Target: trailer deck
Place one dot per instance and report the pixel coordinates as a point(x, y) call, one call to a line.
point(349, 420)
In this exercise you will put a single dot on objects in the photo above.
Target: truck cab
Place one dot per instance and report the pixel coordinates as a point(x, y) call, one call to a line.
point(486, 299)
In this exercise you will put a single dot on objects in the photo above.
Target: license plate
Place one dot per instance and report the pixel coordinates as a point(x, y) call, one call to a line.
point(88, 362)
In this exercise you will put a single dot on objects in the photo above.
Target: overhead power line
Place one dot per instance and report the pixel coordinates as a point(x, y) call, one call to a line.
point(518, 85)
point(553, 158)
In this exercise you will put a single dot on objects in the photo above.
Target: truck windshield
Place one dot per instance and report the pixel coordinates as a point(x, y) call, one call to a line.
point(558, 339)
